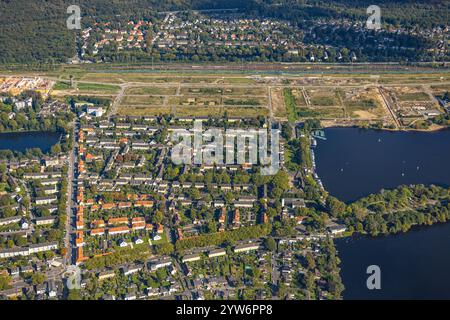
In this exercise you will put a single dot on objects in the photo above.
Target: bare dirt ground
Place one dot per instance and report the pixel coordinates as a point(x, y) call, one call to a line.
point(278, 106)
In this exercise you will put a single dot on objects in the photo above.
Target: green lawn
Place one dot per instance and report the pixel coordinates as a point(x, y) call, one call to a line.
point(62, 86)
point(152, 90)
point(289, 101)
point(323, 101)
point(413, 96)
point(97, 87)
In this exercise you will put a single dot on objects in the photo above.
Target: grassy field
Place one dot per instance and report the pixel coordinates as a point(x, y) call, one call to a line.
point(143, 111)
point(64, 88)
point(289, 101)
point(308, 113)
point(329, 91)
point(194, 100)
point(143, 100)
point(151, 91)
point(414, 78)
point(245, 91)
point(413, 96)
point(244, 101)
point(278, 105)
point(97, 87)
point(198, 112)
point(60, 85)
point(357, 74)
point(298, 95)
point(363, 103)
point(136, 77)
point(322, 112)
point(440, 89)
point(323, 97)
point(190, 95)
point(201, 91)
point(247, 112)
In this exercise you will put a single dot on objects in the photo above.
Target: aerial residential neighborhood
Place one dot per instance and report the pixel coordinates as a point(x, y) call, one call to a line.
point(106, 197)
point(117, 206)
point(230, 36)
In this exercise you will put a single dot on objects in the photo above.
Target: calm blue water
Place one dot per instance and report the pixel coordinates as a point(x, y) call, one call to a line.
point(21, 141)
point(353, 163)
point(414, 265)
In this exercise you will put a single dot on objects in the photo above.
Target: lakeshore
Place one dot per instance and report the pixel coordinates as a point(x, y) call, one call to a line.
point(353, 162)
point(413, 265)
point(21, 141)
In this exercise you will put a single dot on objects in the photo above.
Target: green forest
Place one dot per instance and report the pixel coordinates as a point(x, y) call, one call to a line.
point(394, 211)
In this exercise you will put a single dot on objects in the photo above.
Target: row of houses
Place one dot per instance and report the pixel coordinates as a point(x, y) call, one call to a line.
point(26, 251)
point(242, 248)
point(43, 175)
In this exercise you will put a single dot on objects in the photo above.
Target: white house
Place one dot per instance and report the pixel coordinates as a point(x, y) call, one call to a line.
point(95, 111)
point(156, 237)
point(123, 244)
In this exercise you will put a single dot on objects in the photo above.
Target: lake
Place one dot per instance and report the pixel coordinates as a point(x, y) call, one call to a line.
point(414, 265)
point(353, 162)
point(21, 141)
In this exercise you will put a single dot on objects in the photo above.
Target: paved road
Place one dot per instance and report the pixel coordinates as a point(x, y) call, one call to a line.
point(68, 259)
point(387, 102)
point(117, 100)
point(275, 272)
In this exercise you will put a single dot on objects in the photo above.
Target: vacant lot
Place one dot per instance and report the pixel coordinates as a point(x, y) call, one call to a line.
point(189, 95)
point(363, 103)
point(413, 96)
point(198, 112)
point(440, 90)
point(200, 91)
point(143, 100)
point(60, 85)
point(278, 106)
point(244, 101)
point(247, 112)
point(299, 98)
point(245, 91)
point(143, 111)
point(63, 88)
point(322, 97)
point(321, 112)
point(194, 100)
point(151, 91)
point(96, 87)
point(333, 96)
